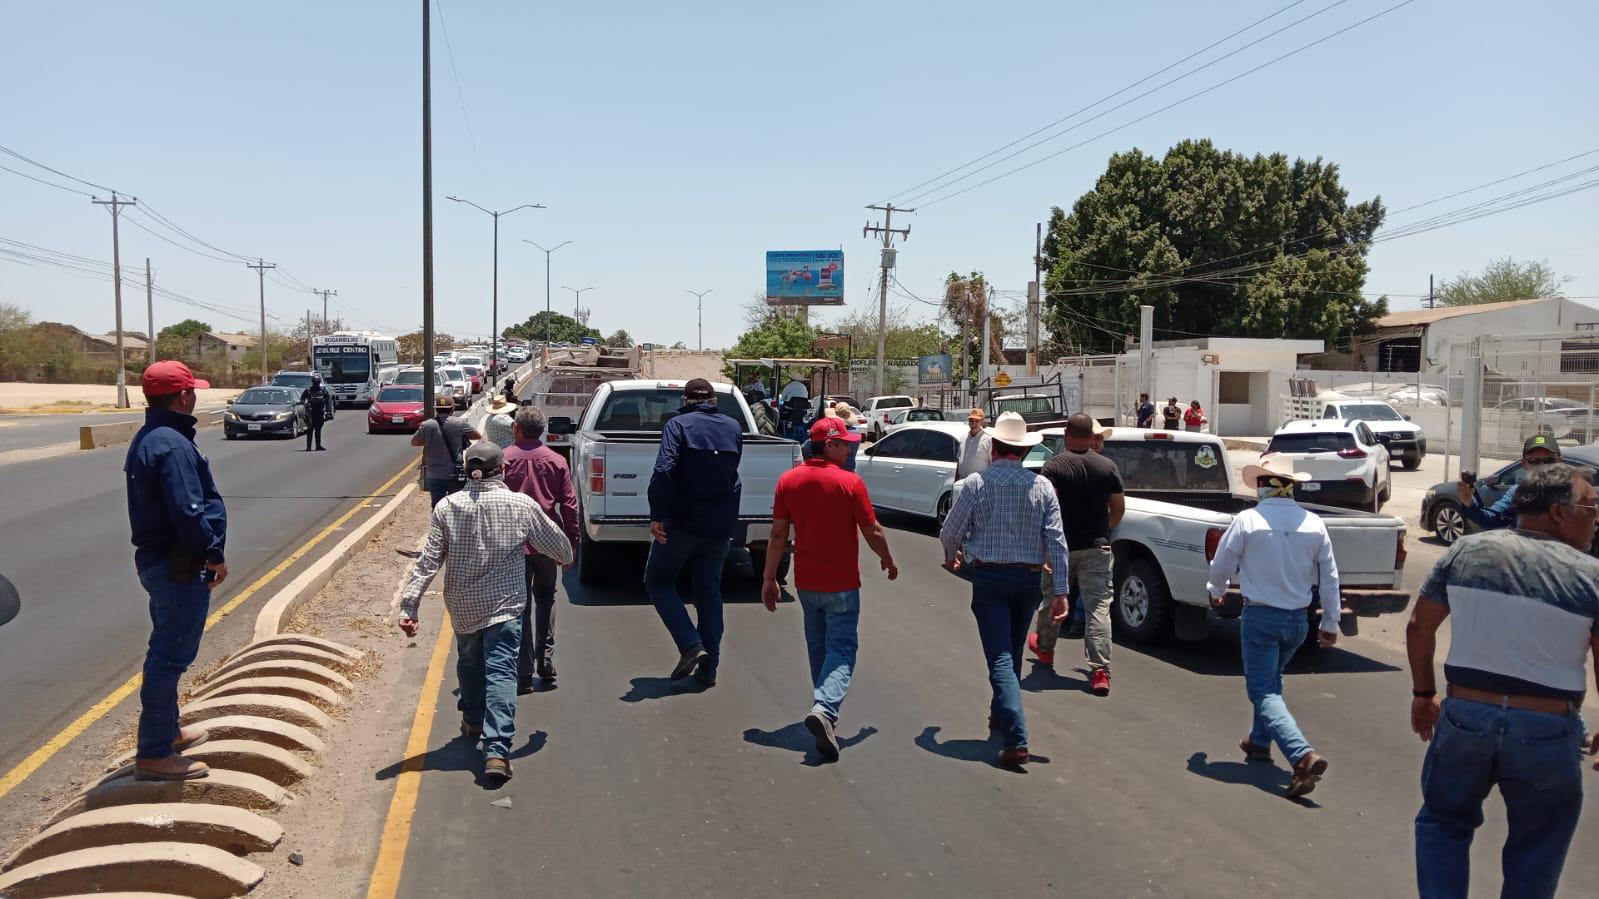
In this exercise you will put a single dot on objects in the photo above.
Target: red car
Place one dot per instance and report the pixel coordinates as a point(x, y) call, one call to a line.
point(397, 407)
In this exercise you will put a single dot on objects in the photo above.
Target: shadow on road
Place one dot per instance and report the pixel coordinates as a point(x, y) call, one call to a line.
point(1266, 778)
point(460, 754)
point(1044, 679)
point(796, 738)
point(985, 750)
point(1219, 656)
point(623, 583)
point(643, 688)
point(914, 524)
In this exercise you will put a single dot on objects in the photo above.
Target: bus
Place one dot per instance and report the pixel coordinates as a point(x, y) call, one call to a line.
point(352, 363)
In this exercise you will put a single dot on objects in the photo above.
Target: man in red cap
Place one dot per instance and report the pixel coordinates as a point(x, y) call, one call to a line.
point(826, 506)
point(179, 531)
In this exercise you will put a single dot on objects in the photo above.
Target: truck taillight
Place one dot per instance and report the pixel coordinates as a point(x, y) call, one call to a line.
point(1399, 550)
point(597, 474)
point(1212, 542)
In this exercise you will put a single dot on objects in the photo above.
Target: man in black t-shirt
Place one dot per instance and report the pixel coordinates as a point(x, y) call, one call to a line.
point(1090, 491)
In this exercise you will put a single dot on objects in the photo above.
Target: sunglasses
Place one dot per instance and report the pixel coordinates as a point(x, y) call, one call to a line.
point(1540, 461)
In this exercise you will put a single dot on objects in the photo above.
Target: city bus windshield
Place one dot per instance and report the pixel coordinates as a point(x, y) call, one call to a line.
point(344, 365)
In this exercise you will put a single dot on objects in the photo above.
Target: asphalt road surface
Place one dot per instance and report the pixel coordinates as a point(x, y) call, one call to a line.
point(34, 431)
point(85, 620)
point(626, 788)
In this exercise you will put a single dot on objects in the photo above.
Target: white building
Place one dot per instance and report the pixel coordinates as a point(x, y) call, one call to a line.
point(1525, 338)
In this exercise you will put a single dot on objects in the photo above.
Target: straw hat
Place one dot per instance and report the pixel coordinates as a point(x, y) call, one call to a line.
point(1102, 430)
point(1011, 429)
point(500, 405)
point(1272, 465)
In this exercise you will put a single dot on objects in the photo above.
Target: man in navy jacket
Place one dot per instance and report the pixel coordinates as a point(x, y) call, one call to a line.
point(179, 530)
point(694, 495)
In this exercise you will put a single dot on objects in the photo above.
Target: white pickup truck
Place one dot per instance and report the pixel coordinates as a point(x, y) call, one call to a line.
point(1182, 493)
point(614, 444)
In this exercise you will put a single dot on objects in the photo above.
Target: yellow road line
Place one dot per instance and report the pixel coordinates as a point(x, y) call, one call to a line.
point(55, 744)
point(402, 808)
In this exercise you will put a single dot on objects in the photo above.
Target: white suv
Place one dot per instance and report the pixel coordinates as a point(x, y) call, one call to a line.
point(1346, 462)
point(879, 409)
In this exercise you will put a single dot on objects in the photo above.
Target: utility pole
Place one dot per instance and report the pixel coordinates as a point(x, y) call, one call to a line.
point(988, 319)
point(325, 294)
point(1430, 299)
point(261, 267)
point(494, 341)
point(149, 312)
point(887, 232)
point(427, 210)
point(308, 334)
point(1034, 293)
point(966, 317)
point(548, 315)
point(577, 301)
point(1146, 351)
point(115, 204)
point(700, 295)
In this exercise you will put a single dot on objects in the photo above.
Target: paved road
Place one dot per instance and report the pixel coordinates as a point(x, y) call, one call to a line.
point(33, 431)
point(624, 788)
point(84, 620)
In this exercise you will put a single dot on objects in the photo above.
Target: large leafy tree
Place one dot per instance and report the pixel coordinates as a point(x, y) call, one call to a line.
point(778, 335)
point(1218, 242)
point(1503, 279)
point(966, 302)
point(903, 338)
point(562, 328)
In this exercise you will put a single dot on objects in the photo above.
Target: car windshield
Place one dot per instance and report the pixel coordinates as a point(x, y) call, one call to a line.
point(1311, 442)
point(453, 374)
point(895, 402)
point(650, 409)
point(292, 379)
point(400, 395)
point(1169, 465)
point(1558, 403)
point(409, 377)
point(1372, 412)
point(925, 415)
point(265, 396)
point(344, 364)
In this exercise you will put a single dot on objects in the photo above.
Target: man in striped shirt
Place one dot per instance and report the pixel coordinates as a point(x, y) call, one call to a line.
point(1001, 533)
point(479, 531)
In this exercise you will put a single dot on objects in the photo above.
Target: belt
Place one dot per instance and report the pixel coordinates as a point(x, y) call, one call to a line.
point(1022, 565)
point(1546, 704)
point(1267, 605)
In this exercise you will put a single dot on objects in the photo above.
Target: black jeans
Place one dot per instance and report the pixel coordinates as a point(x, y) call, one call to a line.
point(538, 616)
point(315, 430)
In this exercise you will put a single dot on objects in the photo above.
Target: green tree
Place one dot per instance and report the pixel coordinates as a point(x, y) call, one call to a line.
point(1502, 279)
point(779, 335)
point(179, 341)
point(562, 328)
point(902, 339)
point(15, 324)
point(620, 339)
point(966, 304)
point(1218, 242)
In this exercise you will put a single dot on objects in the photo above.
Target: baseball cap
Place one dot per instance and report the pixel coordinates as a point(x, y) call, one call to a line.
point(484, 458)
point(830, 428)
point(698, 388)
point(1541, 441)
point(168, 377)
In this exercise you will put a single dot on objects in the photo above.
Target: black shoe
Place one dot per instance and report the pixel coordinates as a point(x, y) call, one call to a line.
point(546, 669)
point(1073, 633)
point(524, 686)
point(706, 679)
point(321, 449)
point(690, 660)
point(821, 727)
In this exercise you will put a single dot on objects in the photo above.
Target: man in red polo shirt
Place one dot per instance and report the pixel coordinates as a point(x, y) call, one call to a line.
point(826, 506)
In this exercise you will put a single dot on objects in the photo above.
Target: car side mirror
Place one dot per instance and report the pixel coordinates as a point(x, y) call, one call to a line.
point(870, 450)
point(561, 425)
point(1489, 481)
point(1405, 417)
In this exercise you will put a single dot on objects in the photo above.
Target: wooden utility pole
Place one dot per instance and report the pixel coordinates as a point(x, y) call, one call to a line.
point(261, 267)
point(115, 204)
point(1034, 294)
point(149, 312)
point(427, 209)
point(887, 232)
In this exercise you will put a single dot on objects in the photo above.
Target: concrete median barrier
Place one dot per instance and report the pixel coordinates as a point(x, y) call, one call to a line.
point(111, 434)
point(230, 829)
point(281, 708)
point(280, 766)
point(320, 674)
point(187, 869)
point(219, 787)
point(286, 652)
point(296, 687)
point(270, 731)
point(274, 641)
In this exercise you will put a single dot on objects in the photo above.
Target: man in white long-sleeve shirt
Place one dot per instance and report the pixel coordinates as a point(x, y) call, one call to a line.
point(1283, 559)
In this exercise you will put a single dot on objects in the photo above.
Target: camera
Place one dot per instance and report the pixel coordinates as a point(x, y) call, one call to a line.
point(1469, 477)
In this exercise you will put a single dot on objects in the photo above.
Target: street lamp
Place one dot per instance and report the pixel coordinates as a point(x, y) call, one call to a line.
point(577, 301)
point(547, 316)
point(700, 295)
point(494, 344)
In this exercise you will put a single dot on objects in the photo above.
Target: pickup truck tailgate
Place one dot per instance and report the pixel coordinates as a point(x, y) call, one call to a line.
point(628, 466)
point(1365, 546)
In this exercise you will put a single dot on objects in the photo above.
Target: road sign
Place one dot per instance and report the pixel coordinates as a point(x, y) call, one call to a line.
point(1002, 380)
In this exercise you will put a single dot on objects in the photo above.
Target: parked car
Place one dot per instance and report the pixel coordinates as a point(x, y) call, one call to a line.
point(477, 374)
point(1552, 416)
point(1406, 442)
point(1440, 505)
point(614, 445)
point(261, 411)
point(909, 416)
point(877, 411)
point(1182, 493)
point(396, 408)
point(913, 469)
point(1346, 462)
point(300, 380)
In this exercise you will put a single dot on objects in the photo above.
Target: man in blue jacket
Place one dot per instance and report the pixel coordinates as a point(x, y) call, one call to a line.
point(179, 532)
point(1538, 451)
point(694, 495)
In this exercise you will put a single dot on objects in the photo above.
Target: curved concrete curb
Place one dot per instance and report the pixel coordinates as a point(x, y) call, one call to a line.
point(297, 687)
point(282, 668)
point(220, 787)
point(300, 641)
point(230, 829)
point(284, 652)
point(261, 705)
point(270, 731)
point(191, 869)
point(280, 766)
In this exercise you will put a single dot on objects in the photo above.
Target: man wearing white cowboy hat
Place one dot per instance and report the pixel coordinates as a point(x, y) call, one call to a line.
point(1283, 557)
point(1002, 531)
point(499, 427)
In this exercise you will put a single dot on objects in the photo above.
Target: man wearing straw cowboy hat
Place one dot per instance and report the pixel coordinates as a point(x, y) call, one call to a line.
point(1283, 558)
point(1002, 531)
point(499, 427)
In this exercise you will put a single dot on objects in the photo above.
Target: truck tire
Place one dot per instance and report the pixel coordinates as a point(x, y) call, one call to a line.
point(758, 565)
point(1410, 463)
point(1141, 605)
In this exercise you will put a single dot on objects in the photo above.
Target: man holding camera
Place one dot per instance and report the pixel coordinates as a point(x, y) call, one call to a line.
point(1538, 451)
point(179, 530)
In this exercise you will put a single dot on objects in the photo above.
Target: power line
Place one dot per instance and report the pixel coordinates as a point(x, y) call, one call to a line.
point(33, 162)
point(460, 96)
point(70, 190)
point(1548, 165)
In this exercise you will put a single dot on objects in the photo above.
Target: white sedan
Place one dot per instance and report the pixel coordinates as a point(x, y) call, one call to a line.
point(913, 469)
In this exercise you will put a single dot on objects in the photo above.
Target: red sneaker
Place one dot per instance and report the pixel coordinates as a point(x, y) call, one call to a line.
point(1044, 658)
point(1099, 682)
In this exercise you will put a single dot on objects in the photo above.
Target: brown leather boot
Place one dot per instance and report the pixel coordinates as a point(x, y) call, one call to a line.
point(497, 771)
point(173, 767)
point(1307, 771)
point(1011, 758)
point(188, 738)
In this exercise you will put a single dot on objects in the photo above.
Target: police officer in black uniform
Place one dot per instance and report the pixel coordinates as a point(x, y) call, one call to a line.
point(317, 403)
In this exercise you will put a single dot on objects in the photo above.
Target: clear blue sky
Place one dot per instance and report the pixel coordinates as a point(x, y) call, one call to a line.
point(676, 143)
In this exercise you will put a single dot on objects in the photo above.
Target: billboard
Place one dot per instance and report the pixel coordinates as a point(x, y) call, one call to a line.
point(805, 277)
point(934, 371)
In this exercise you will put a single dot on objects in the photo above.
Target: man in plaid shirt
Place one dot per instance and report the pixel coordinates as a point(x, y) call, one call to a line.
point(1002, 532)
point(480, 531)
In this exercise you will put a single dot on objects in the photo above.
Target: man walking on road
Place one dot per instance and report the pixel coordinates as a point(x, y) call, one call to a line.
point(477, 534)
point(826, 506)
point(443, 440)
point(1001, 532)
point(1525, 606)
point(694, 495)
point(1539, 450)
point(1089, 485)
point(540, 472)
point(317, 403)
point(1284, 560)
point(976, 448)
point(180, 529)
point(498, 426)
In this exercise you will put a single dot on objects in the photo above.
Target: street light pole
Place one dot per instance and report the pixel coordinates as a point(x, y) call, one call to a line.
point(494, 342)
point(427, 209)
point(547, 315)
point(700, 296)
point(577, 301)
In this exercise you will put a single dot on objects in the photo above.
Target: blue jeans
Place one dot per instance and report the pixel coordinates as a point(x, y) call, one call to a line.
point(177, 619)
point(1269, 638)
point(485, 669)
point(831, 621)
point(703, 557)
point(1003, 602)
point(1536, 761)
point(439, 488)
